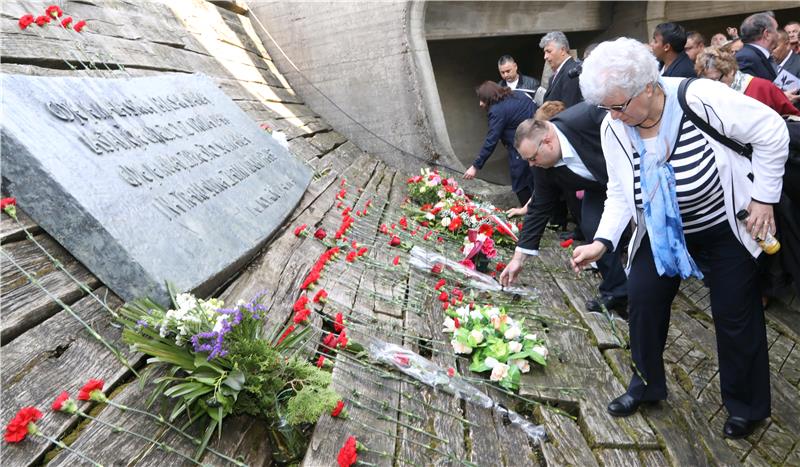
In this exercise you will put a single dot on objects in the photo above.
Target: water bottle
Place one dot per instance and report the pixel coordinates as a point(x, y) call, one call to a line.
point(770, 244)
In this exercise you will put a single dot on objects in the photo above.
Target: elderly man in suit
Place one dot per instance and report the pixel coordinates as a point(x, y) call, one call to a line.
point(759, 32)
point(565, 154)
point(563, 85)
point(510, 76)
point(668, 43)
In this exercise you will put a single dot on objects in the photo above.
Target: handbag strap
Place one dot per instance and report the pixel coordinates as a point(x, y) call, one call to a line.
point(745, 150)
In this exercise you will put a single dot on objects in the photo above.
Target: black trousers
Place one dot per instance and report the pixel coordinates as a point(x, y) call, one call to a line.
point(615, 282)
point(738, 321)
point(523, 195)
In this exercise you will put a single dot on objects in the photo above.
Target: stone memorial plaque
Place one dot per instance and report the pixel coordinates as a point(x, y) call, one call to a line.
point(146, 180)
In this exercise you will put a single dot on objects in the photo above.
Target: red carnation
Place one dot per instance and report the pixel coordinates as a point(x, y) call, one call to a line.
point(321, 296)
point(300, 303)
point(18, 428)
point(66, 22)
point(500, 266)
point(401, 360)
point(567, 243)
point(445, 305)
point(437, 268)
point(338, 409)
point(79, 26)
point(396, 260)
point(394, 241)
point(467, 263)
point(456, 323)
point(342, 183)
point(42, 20)
point(320, 234)
point(455, 224)
point(348, 455)
point(440, 284)
point(5, 202)
point(25, 21)
point(451, 372)
point(300, 230)
point(351, 257)
point(321, 361)
point(285, 334)
point(59, 402)
point(362, 251)
point(329, 341)
point(342, 194)
point(403, 223)
point(443, 297)
point(427, 235)
point(338, 323)
point(54, 10)
point(384, 229)
point(301, 316)
point(342, 340)
point(91, 389)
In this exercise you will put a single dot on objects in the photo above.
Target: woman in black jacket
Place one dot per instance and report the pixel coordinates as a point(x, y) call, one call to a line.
point(506, 109)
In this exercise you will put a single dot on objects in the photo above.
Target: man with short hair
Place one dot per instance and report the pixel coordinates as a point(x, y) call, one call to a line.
point(785, 57)
point(793, 29)
point(667, 44)
point(695, 43)
point(759, 33)
point(562, 86)
point(511, 78)
point(565, 155)
point(718, 40)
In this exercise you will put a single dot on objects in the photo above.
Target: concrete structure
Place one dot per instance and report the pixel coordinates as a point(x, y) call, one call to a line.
point(406, 71)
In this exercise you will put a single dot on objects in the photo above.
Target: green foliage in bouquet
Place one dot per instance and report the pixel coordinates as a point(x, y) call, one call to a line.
point(219, 362)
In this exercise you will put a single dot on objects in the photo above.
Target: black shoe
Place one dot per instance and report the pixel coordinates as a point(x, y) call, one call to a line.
point(610, 303)
point(738, 427)
point(625, 405)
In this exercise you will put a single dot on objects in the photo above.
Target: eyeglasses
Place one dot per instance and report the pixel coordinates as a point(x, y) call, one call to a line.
point(535, 153)
point(616, 108)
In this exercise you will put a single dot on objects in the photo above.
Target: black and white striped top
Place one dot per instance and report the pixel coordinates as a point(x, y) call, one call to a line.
point(697, 184)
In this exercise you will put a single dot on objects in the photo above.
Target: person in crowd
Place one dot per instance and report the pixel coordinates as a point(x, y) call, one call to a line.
point(547, 111)
point(695, 43)
point(720, 65)
point(718, 40)
point(792, 28)
point(565, 155)
point(785, 57)
point(506, 110)
point(682, 189)
point(759, 33)
point(563, 86)
point(510, 76)
point(667, 44)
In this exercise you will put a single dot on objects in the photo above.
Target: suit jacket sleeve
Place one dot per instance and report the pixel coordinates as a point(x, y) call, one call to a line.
point(497, 123)
point(545, 195)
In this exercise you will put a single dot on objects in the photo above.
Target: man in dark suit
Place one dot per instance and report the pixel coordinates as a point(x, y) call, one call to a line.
point(785, 57)
point(565, 154)
point(563, 85)
point(759, 32)
point(511, 78)
point(668, 43)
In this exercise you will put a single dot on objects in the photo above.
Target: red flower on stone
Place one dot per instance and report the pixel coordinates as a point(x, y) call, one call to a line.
point(567, 243)
point(301, 316)
point(329, 341)
point(445, 305)
point(451, 372)
point(455, 224)
point(300, 230)
point(348, 455)
point(321, 296)
point(443, 297)
point(394, 241)
point(59, 402)
point(338, 322)
point(440, 284)
point(342, 340)
point(500, 266)
point(351, 257)
point(86, 391)
point(285, 334)
point(24, 22)
point(320, 234)
point(384, 229)
point(362, 251)
point(427, 235)
point(79, 26)
point(437, 268)
point(456, 323)
point(486, 229)
point(54, 10)
point(5, 202)
point(66, 22)
point(396, 260)
point(320, 361)
point(338, 409)
point(17, 428)
point(401, 360)
point(342, 194)
point(42, 20)
point(403, 223)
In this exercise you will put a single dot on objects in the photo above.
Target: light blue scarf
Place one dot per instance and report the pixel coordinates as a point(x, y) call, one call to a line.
point(661, 213)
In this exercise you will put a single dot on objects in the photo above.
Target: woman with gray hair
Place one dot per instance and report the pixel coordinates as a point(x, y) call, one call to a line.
point(682, 190)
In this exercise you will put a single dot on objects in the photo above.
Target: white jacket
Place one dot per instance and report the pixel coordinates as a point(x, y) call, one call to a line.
point(733, 114)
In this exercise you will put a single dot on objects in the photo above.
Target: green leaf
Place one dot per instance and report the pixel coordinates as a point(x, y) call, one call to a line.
point(183, 388)
point(206, 437)
point(235, 380)
point(498, 350)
